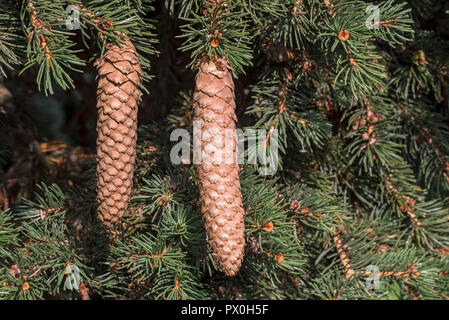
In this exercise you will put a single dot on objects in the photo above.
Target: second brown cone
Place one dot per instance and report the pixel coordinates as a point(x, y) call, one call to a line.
point(219, 184)
point(118, 94)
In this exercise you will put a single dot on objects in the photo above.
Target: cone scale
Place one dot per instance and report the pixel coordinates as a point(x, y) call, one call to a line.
point(118, 94)
point(219, 184)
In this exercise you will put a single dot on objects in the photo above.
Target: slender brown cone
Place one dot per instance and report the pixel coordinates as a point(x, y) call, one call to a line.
point(118, 94)
point(219, 184)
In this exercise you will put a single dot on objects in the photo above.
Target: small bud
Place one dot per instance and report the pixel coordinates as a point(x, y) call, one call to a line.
point(365, 136)
point(343, 35)
point(214, 43)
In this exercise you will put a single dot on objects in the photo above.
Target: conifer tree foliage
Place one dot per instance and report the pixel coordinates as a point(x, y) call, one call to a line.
point(357, 209)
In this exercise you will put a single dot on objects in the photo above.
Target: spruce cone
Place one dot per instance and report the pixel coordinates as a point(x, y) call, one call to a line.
point(219, 185)
point(119, 75)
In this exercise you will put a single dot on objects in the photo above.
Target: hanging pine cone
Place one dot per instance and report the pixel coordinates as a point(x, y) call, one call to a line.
point(219, 185)
point(118, 94)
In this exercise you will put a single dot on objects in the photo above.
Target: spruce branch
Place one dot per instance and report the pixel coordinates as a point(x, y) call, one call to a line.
point(49, 45)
